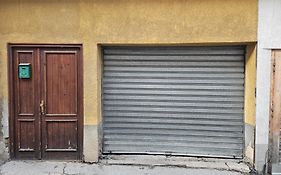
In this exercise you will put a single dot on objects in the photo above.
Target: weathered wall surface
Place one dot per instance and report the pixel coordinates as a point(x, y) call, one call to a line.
point(3, 147)
point(93, 22)
point(269, 32)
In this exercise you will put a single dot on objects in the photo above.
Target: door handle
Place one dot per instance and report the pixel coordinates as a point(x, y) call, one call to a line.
point(42, 107)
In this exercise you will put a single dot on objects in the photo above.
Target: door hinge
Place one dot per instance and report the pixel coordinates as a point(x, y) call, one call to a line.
point(274, 66)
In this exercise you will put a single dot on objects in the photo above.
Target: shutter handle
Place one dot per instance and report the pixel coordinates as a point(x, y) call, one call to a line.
point(42, 107)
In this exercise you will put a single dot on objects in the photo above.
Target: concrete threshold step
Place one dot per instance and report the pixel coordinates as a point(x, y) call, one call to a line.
point(237, 165)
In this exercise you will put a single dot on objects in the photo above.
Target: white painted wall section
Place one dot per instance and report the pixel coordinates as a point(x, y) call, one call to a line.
point(269, 37)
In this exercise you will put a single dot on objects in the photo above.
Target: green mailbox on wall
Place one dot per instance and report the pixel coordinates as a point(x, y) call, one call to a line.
point(24, 70)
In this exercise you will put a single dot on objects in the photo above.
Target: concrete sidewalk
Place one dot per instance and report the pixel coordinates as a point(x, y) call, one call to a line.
point(129, 165)
point(72, 168)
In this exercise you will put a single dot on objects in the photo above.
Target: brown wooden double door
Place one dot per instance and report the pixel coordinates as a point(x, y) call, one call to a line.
point(46, 109)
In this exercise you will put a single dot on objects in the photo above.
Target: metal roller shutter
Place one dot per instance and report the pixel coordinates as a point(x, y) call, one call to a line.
point(173, 100)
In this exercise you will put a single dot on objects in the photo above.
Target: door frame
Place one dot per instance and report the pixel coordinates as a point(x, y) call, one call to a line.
point(11, 93)
point(275, 109)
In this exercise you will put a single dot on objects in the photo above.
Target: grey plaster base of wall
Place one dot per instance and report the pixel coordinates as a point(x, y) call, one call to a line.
point(5, 119)
point(261, 156)
point(4, 155)
point(249, 142)
point(249, 135)
point(276, 169)
point(91, 144)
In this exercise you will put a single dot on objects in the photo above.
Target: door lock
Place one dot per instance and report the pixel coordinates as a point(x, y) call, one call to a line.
point(42, 107)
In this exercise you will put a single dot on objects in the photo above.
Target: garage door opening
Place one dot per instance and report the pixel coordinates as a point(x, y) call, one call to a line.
point(174, 100)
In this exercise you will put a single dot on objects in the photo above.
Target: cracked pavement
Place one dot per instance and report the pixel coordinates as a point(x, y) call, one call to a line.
point(77, 168)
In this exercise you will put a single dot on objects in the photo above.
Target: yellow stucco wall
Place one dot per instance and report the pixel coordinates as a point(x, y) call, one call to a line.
point(250, 84)
point(93, 22)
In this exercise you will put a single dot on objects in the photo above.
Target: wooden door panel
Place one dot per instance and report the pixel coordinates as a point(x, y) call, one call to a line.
point(60, 92)
point(25, 86)
point(61, 83)
point(26, 115)
point(26, 135)
point(61, 135)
